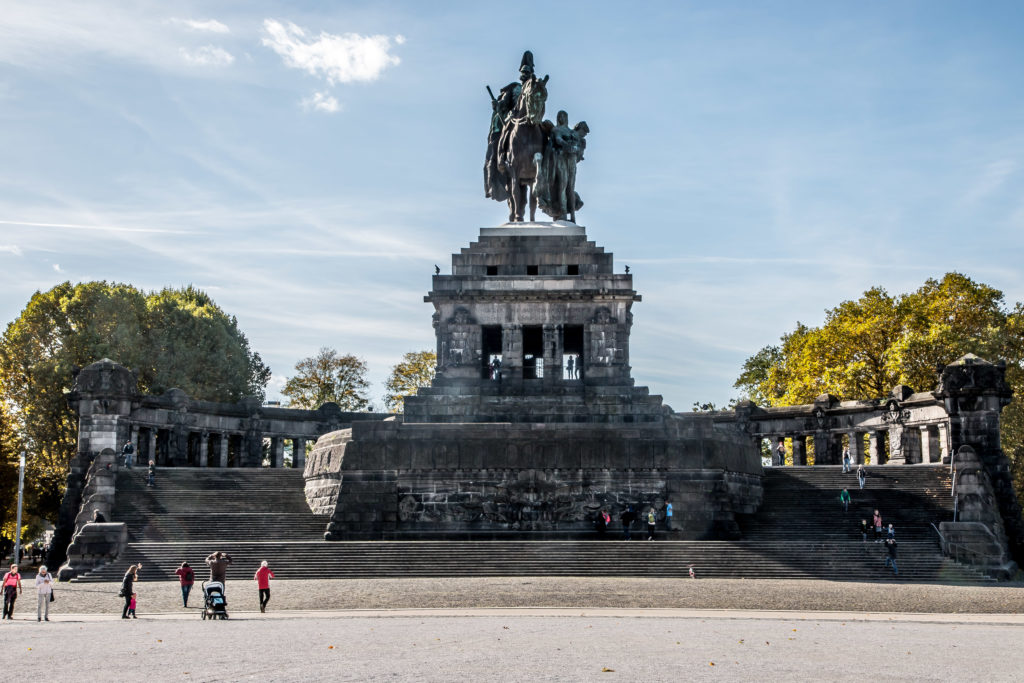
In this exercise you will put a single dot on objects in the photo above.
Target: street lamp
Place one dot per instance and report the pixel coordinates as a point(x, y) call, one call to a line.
point(21, 490)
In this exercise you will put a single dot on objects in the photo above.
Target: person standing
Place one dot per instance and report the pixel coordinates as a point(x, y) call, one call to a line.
point(652, 521)
point(668, 516)
point(861, 476)
point(44, 589)
point(890, 546)
point(128, 587)
point(846, 460)
point(844, 500)
point(890, 532)
point(128, 452)
point(218, 563)
point(780, 454)
point(12, 589)
point(876, 522)
point(187, 578)
point(262, 579)
point(151, 478)
point(627, 518)
point(131, 605)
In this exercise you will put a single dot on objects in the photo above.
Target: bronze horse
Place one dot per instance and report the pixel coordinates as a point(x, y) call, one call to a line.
point(521, 147)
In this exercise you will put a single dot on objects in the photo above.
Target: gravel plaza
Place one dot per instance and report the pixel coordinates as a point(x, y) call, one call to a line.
point(532, 629)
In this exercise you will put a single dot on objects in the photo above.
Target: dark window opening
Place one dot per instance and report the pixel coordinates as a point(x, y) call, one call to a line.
point(492, 270)
point(572, 352)
point(491, 351)
point(531, 270)
point(573, 269)
point(533, 351)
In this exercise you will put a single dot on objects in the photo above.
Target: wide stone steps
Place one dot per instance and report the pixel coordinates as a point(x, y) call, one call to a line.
point(638, 558)
point(800, 532)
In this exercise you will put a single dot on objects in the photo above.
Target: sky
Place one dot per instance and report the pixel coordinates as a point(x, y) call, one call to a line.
point(307, 163)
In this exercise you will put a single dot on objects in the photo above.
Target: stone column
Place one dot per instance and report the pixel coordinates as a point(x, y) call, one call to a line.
point(225, 440)
point(512, 355)
point(151, 446)
point(926, 443)
point(799, 450)
point(299, 453)
point(552, 354)
point(204, 443)
point(943, 433)
point(856, 448)
point(276, 451)
point(876, 447)
point(822, 454)
point(897, 445)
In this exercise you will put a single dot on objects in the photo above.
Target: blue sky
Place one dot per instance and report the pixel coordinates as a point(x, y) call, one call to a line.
point(307, 163)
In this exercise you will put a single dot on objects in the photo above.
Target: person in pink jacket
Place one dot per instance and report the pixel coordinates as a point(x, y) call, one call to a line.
point(262, 579)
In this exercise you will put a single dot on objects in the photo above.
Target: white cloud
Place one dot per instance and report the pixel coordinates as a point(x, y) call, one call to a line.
point(211, 25)
point(321, 101)
point(208, 55)
point(337, 58)
point(57, 268)
point(10, 249)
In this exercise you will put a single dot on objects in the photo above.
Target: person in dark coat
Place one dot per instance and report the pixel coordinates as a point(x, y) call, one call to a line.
point(890, 546)
point(628, 517)
point(128, 587)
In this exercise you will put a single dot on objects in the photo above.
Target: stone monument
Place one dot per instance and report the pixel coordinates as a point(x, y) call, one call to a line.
point(533, 424)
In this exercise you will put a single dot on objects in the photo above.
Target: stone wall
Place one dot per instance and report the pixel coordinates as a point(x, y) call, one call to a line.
point(494, 480)
point(323, 471)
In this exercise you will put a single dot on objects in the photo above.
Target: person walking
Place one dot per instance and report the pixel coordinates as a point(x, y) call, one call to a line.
point(861, 476)
point(876, 522)
point(262, 579)
point(151, 477)
point(131, 605)
point(627, 517)
point(128, 453)
point(187, 578)
point(652, 522)
point(44, 593)
point(890, 546)
point(844, 500)
point(128, 587)
point(846, 460)
point(12, 589)
point(668, 516)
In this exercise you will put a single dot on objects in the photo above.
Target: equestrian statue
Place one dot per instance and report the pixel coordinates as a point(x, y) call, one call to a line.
point(531, 161)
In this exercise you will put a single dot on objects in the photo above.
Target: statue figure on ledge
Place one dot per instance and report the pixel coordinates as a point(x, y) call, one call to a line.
point(530, 160)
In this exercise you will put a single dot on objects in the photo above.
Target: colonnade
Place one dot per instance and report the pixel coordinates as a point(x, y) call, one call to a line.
point(902, 444)
point(192, 448)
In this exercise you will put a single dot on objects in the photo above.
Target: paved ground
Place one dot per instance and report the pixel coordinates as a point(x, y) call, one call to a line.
point(532, 629)
point(519, 645)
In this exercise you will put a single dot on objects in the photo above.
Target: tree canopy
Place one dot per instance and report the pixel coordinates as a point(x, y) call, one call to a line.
point(173, 338)
point(414, 371)
point(328, 377)
point(868, 346)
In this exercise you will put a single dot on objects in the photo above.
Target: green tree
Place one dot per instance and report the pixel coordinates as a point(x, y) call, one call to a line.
point(71, 326)
point(416, 370)
point(868, 346)
point(328, 377)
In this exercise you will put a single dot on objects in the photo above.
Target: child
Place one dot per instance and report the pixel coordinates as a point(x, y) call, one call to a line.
point(131, 605)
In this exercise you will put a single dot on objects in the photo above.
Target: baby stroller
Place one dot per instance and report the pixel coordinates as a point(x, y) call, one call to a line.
point(215, 605)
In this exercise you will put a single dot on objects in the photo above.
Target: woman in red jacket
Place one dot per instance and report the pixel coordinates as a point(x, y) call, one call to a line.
point(262, 579)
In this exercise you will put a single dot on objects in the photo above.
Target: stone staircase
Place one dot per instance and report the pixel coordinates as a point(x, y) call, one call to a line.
point(800, 532)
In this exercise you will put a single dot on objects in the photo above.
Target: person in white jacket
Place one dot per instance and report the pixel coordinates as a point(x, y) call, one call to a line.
point(44, 589)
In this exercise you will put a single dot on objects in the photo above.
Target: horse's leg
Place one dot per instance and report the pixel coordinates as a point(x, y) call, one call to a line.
point(533, 200)
point(518, 199)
